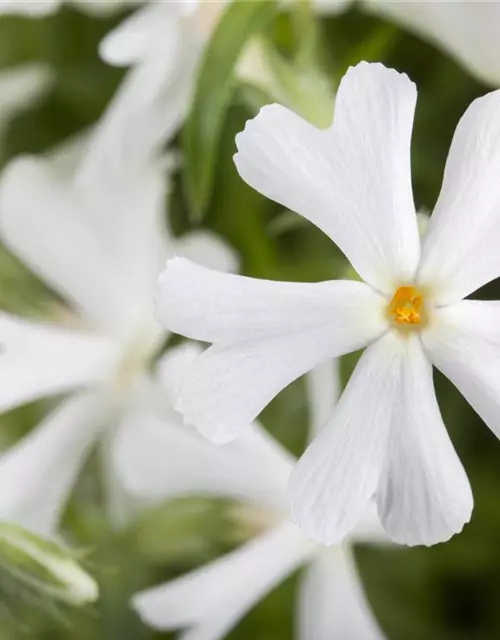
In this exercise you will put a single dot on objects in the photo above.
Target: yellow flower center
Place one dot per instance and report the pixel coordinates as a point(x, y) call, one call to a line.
point(406, 310)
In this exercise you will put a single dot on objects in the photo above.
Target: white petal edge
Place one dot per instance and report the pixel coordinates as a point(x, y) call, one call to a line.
point(38, 473)
point(39, 360)
point(424, 495)
point(333, 482)
point(207, 249)
point(463, 342)
point(353, 180)
point(460, 249)
point(211, 600)
point(332, 604)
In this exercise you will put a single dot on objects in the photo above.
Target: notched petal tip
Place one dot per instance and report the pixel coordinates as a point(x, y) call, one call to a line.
point(377, 68)
point(432, 533)
point(214, 432)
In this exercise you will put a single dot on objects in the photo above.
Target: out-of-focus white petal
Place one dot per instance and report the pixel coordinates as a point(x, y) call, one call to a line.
point(173, 365)
point(43, 223)
point(353, 180)
point(463, 342)
point(37, 474)
point(469, 30)
point(332, 605)
point(38, 360)
point(267, 334)
point(424, 495)
point(135, 37)
point(31, 8)
point(20, 87)
point(323, 390)
point(460, 249)
point(154, 97)
point(334, 480)
point(207, 249)
point(157, 457)
point(214, 598)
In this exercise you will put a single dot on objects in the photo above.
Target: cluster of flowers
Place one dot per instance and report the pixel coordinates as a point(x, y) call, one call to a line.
point(380, 466)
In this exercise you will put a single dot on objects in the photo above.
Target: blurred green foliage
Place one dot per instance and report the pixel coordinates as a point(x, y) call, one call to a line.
point(448, 592)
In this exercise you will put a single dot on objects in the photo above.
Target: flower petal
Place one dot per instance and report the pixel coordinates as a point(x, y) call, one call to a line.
point(332, 605)
point(464, 343)
point(334, 480)
point(207, 305)
point(267, 334)
point(154, 97)
point(37, 474)
point(467, 30)
point(135, 37)
point(323, 390)
point(353, 180)
point(158, 458)
point(424, 495)
point(460, 249)
point(214, 598)
point(43, 223)
point(38, 360)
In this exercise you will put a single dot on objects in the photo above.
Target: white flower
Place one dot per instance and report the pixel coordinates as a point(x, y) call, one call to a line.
point(211, 600)
point(468, 30)
point(98, 241)
point(386, 438)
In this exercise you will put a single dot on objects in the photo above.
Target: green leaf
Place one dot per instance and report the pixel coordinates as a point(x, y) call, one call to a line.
point(213, 93)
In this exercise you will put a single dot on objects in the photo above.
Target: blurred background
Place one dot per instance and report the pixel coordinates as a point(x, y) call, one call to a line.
point(448, 592)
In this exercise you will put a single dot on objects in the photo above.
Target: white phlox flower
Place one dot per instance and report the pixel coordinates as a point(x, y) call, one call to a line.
point(208, 602)
point(98, 243)
point(385, 439)
point(468, 30)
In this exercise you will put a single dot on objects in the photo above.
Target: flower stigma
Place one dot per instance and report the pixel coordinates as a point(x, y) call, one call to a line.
point(406, 310)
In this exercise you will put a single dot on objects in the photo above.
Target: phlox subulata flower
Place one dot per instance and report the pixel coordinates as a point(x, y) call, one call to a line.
point(385, 439)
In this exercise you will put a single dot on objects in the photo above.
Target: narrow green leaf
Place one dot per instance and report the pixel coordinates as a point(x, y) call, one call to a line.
point(213, 94)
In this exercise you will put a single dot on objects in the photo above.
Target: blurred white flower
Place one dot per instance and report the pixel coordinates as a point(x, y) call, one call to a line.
point(468, 30)
point(90, 222)
point(164, 42)
point(211, 600)
point(20, 87)
point(386, 437)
